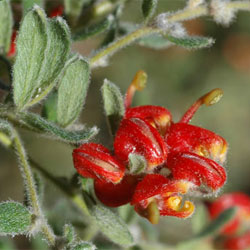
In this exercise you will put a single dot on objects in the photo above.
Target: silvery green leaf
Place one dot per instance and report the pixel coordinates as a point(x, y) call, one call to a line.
point(6, 23)
point(113, 104)
point(148, 8)
point(83, 245)
point(155, 41)
point(137, 163)
point(94, 29)
point(14, 218)
point(69, 233)
point(191, 42)
point(200, 218)
point(31, 47)
point(28, 4)
point(72, 90)
point(56, 55)
point(111, 225)
point(42, 125)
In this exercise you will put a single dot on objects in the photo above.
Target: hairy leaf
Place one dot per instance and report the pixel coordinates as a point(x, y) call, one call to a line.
point(113, 104)
point(112, 225)
point(6, 23)
point(31, 46)
point(148, 8)
point(94, 29)
point(14, 218)
point(137, 163)
point(42, 125)
point(72, 91)
point(83, 245)
point(56, 55)
point(155, 41)
point(191, 42)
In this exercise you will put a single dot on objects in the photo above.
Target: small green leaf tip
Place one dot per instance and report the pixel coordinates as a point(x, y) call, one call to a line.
point(83, 245)
point(72, 90)
point(148, 8)
point(6, 23)
point(14, 219)
point(191, 42)
point(137, 163)
point(111, 225)
point(113, 104)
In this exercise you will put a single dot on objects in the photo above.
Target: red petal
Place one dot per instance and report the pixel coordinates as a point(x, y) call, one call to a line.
point(114, 195)
point(157, 116)
point(241, 200)
point(58, 11)
point(196, 169)
point(238, 242)
point(185, 137)
point(138, 136)
point(94, 161)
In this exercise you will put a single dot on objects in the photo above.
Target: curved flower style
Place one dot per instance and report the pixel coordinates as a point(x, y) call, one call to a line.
point(191, 156)
point(236, 231)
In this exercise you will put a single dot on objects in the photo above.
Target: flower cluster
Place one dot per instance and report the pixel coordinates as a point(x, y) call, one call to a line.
point(236, 233)
point(155, 161)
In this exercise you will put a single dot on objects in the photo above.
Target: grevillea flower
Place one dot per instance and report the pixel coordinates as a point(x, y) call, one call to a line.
point(236, 232)
point(57, 11)
point(12, 50)
point(193, 156)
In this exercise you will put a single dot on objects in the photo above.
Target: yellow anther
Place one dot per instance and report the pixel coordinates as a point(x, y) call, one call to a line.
point(140, 80)
point(212, 97)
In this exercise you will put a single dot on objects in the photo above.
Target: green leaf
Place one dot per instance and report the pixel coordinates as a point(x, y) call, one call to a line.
point(148, 8)
point(28, 4)
point(94, 29)
point(155, 41)
point(113, 104)
point(14, 218)
point(200, 218)
point(83, 245)
point(72, 90)
point(56, 55)
point(49, 111)
point(42, 125)
point(216, 225)
point(6, 23)
point(191, 42)
point(137, 163)
point(111, 225)
point(31, 46)
point(69, 233)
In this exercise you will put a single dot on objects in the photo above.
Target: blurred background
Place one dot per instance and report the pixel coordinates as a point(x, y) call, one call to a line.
point(176, 78)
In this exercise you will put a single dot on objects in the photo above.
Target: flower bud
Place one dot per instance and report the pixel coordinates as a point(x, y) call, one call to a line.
point(138, 136)
point(93, 160)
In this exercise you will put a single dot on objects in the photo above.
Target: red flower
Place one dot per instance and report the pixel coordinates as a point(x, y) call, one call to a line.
point(12, 50)
point(57, 11)
point(236, 232)
point(190, 153)
point(94, 161)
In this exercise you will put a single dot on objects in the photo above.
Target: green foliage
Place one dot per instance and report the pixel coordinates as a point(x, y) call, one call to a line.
point(49, 108)
point(14, 218)
point(94, 29)
point(40, 57)
point(111, 225)
point(30, 56)
point(148, 8)
point(72, 90)
point(69, 233)
point(191, 42)
point(83, 245)
point(155, 41)
point(199, 219)
point(42, 125)
point(113, 104)
point(137, 163)
point(6, 23)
